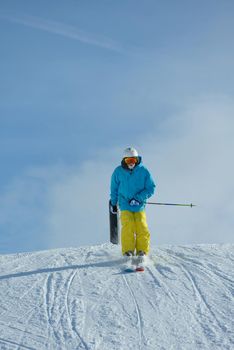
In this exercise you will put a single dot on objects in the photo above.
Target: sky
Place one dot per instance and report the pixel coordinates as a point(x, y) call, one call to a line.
point(81, 81)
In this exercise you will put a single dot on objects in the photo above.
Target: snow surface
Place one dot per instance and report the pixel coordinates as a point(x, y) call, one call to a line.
point(81, 299)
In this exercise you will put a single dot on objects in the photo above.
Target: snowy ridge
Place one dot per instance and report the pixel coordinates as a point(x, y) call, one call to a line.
point(80, 299)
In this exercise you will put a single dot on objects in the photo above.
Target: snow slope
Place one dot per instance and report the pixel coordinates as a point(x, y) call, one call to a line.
point(80, 299)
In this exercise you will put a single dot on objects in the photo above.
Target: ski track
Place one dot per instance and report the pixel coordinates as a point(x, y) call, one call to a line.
point(159, 277)
point(72, 318)
point(198, 295)
point(56, 294)
point(71, 306)
point(12, 343)
point(138, 312)
point(173, 297)
point(187, 265)
point(84, 302)
point(97, 289)
point(160, 282)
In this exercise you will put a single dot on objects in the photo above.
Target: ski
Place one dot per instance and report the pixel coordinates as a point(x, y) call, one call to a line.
point(133, 264)
point(140, 269)
point(129, 270)
point(140, 263)
point(128, 264)
point(133, 269)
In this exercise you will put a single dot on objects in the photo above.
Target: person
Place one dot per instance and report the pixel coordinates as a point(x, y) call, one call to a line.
point(131, 185)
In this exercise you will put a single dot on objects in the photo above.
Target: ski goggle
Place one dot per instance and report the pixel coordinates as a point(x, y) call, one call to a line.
point(130, 160)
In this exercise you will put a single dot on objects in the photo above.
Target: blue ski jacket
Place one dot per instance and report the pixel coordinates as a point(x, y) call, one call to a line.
point(128, 184)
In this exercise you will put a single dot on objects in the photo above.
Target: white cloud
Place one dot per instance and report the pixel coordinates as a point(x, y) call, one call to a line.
point(79, 206)
point(193, 163)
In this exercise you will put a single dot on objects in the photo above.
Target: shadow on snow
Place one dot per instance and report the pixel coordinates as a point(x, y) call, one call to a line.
point(62, 268)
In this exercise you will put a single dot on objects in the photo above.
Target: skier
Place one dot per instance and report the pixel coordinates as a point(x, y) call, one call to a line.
point(131, 186)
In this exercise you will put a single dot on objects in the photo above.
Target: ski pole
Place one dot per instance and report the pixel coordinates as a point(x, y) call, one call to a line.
point(177, 204)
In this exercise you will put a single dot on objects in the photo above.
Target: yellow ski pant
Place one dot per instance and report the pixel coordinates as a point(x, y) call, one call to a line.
point(134, 233)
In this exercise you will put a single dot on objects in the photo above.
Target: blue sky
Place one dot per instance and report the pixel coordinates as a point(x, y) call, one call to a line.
point(82, 80)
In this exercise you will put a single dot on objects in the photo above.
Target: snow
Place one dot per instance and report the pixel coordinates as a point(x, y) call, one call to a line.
point(80, 299)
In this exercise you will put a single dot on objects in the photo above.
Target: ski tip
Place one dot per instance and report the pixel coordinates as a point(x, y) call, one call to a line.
point(140, 269)
point(128, 270)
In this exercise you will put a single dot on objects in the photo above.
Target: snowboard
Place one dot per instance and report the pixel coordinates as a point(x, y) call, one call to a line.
point(114, 226)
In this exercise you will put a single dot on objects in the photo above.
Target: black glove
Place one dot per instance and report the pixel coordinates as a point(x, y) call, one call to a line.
point(113, 209)
point(134, 202)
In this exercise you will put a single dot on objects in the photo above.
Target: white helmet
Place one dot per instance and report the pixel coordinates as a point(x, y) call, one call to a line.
point(130, 152)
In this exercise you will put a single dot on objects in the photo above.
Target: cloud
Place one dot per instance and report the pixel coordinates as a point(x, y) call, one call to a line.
point(56, 207)
point(193, 163)
point(65, 206)
point(70, 32)
point(23, 209)
point(79, 206)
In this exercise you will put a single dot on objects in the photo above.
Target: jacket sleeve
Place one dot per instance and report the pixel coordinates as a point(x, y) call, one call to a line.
point(149, 189)
point(114, 188)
